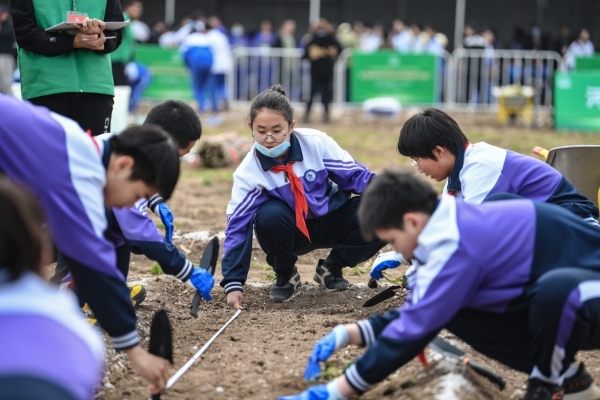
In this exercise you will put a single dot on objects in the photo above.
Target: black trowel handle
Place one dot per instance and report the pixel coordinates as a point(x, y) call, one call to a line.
point(487, 373)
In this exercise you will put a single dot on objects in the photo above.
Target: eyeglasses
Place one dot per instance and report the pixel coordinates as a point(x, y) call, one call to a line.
point(275, 137)
point(415, 163)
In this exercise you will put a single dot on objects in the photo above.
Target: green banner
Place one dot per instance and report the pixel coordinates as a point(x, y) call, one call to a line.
point(587, 64)
point(577, 101)
point(410, 78)
point(170, 77)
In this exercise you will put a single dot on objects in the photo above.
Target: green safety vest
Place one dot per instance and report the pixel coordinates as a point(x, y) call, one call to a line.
point(124, 53)
point(81, 71)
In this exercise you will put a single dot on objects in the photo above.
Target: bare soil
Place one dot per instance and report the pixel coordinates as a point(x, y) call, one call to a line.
point(262, 354)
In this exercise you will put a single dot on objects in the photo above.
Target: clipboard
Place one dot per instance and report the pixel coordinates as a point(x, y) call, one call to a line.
point(70, 27)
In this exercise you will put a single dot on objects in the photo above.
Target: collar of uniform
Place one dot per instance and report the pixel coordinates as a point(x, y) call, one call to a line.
point(454, 179)
point(293, 155)
point(105, 152)
point(445, 208)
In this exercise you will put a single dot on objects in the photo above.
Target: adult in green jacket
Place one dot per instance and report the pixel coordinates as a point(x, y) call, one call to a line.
point(69, 74)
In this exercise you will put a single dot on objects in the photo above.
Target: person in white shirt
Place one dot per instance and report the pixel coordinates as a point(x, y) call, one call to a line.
point(581, 47)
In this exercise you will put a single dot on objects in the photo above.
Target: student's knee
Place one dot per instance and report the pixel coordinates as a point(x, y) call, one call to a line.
point(272, 217)
point(554, 287)
point(503, 196)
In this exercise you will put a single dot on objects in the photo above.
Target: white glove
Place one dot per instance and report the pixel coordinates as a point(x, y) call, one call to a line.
point(385, 261)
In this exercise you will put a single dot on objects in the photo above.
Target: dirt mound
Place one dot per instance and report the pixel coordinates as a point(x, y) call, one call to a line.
point(442, 380)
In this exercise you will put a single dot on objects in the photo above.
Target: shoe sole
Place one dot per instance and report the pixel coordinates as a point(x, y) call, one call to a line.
point(591, 393)
point(139, 297)
point(317, 278)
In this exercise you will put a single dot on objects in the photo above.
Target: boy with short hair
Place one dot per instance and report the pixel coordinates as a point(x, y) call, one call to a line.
point(531, 306)
point(474, 172)
point(75, 177)
point(132, 230)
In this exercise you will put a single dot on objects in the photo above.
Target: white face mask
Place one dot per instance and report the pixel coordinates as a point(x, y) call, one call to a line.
point(274, 151)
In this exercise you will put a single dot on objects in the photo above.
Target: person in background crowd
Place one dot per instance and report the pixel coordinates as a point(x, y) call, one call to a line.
point(286, 38)
point(124, 54)
point(69, 74)
point(346, 36)
point(432, 44)
point(197, 55)
point(141, 31)
point(369, 40)
point(265, 36)
point(237, 36)
point(322, 51)
point(418, 43)
point(582, 46)
point(7, 50)
point(471, 39)
point(564, 39)
point(215, 23)
point(401, 37)
point(158, 29)
point(221, 67)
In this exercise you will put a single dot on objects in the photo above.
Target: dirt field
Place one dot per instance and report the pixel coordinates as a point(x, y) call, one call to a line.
point(262, 354)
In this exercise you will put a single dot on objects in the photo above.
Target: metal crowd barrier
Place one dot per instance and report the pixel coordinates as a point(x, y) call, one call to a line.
point(466, 79)
point(256, 69)
point(474, 73)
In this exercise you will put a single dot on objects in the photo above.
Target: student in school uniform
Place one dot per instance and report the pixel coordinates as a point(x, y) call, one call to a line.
point(476, 171)
point(132, 230)
point(48, 350)
point(531, 306)
point(294, 188)
point(75, 177)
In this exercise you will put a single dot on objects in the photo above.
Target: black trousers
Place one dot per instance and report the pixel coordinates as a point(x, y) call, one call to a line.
point(283, 242)
point(323, 85)
point(557, 316)
point(92, 111)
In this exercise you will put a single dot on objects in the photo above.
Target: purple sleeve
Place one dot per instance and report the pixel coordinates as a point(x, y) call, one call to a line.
point(344, 170)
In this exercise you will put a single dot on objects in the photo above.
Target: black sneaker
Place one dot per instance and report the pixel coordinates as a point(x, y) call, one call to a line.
point(581, 386)
point(540, 390)
point(330, 276)
point(285, 286)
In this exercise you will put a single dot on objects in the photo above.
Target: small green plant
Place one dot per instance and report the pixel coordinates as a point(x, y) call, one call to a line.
point(269, 277)
point(155, 269)
point(357, 271)
point(207, 181)
point(331, 371)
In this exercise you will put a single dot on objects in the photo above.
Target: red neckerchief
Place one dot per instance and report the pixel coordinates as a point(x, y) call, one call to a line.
point(299, 197)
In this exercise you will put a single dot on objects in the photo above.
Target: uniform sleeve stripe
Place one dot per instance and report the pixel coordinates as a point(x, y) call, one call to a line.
point(125, 341)
point(233, 286)
point(246, 203)
point(154, 201)
point(338, 168)
point(328, 161)
point(367, 332)
point(355, 379)
point(185, 270)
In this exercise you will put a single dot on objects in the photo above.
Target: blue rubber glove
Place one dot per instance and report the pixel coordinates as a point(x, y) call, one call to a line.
point(385, 261)
point(320, 392)
point(166, 216)
point(324, 348)
point(202, 281)
point(159, 207)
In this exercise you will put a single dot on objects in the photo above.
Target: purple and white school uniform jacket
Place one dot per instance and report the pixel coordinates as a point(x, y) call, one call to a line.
point(62, 165)
point(482, 170)
point(46, 338)
point(135, 227)
point(328, 173)
point(473, 256)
